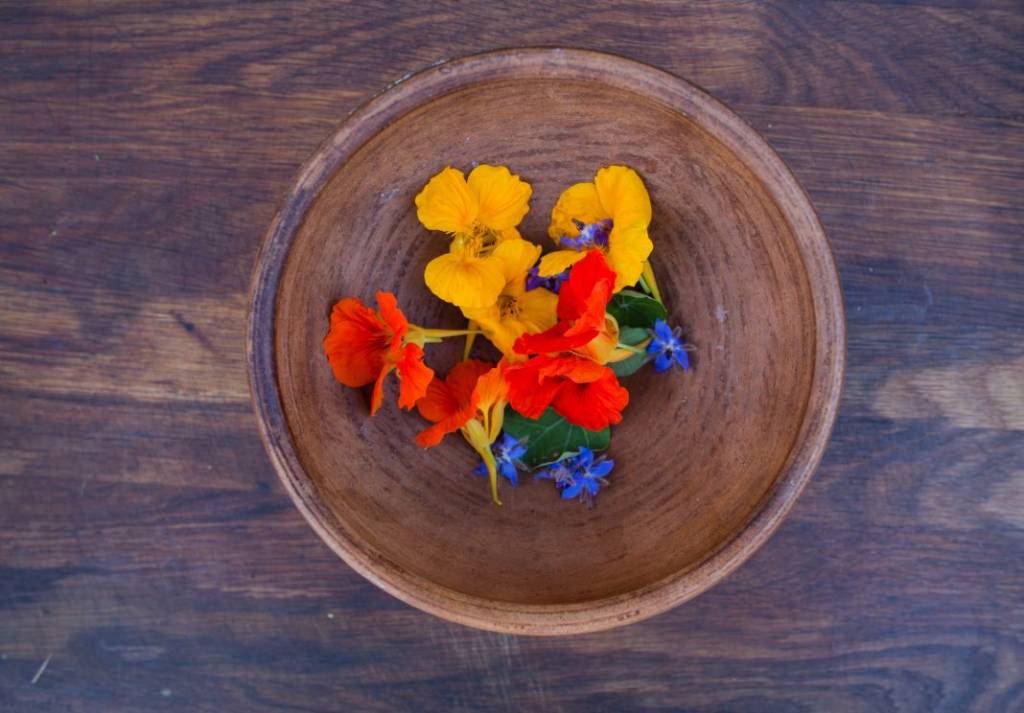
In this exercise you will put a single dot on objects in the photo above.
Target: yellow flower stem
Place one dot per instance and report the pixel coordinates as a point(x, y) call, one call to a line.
point(445, 333)
point(648, 277)
point(630, 348)
point(472, 327)
point(476, 434)
point(422, 335)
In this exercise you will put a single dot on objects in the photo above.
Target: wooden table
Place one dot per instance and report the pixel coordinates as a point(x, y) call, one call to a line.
point(148, 555)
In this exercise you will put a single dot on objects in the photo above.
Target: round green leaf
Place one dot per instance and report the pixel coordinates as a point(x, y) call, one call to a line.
point(635, 309)
point(549, 437)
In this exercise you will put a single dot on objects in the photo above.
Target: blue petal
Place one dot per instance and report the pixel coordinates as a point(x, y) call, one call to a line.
point(585, 458)
point(509, 471)
point(593, 486)
point(654, 346)
point(573, 490)
point(599, 470)
point(663, 362)
point(663, 331)
point(683, 358)
point(480, 469)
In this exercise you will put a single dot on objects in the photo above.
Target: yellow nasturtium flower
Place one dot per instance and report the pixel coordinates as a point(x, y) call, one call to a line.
point(611, 214)
point(479, 213)
point(517, 310)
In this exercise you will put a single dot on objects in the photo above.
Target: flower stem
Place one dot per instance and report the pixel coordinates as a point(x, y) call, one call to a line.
point(630, 348)
point(432, 336)
point(445, 333)
point(652, 284)
point(472, 327)
point(476, 434)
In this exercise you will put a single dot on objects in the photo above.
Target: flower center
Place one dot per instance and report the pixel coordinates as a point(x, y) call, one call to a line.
point(592, 235)
point(508, 306)
point(479, 243)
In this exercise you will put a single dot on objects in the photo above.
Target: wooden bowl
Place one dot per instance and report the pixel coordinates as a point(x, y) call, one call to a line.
point(708, 463)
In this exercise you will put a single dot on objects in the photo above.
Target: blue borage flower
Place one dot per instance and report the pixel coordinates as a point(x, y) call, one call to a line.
point(552, 283)
point(579, 475)
point(508, 453)
point(668, 346)
point(591, 235)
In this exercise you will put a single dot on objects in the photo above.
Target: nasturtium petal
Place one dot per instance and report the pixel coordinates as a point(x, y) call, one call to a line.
point(503, 198)
point(559, 261)
point(580, 202)
point(538, 310)
point(465, 281)
point(414, 376)
point(356, 345)
point(628, 247)
point(515, 258)
point(594, 405)
point(447, 204)
point(623, 195)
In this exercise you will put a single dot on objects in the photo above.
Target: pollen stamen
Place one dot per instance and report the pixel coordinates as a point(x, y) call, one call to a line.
point(509, 306)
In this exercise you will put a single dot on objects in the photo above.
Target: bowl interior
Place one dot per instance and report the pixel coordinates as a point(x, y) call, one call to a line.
point(695, 454)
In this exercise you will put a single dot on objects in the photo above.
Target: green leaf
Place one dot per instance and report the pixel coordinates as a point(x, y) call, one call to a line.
point(629, 366)
point(631, 336)
point(550, 436)
point(635, 309)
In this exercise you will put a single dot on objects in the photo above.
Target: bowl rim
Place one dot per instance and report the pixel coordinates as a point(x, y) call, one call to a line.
point(675, 93)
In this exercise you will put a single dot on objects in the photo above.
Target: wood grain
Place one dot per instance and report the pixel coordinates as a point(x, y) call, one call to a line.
point(144, 539)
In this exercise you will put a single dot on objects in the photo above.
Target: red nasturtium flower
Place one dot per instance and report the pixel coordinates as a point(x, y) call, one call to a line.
point(470, 399)
point(582, 391)
point(583, 326)
point(569, 373)
point(364, 345)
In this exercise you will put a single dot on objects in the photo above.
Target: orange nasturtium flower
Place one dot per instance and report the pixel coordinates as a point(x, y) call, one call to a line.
point(611, 214)
point(517, 310)
point(479, 213)
point(363, 346)
point(470, 399)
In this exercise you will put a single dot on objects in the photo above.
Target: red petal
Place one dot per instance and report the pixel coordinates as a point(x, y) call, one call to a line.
point(389, 312)
point(528, 393)
point(356, 344)
point(585, 295)
point(432, 436)
point(445, 398)
point(414, 376)
point(592, 405)
point(576, 369)
point(377, 397)
point(560, 338)
point(582, 302)
point(462, 378)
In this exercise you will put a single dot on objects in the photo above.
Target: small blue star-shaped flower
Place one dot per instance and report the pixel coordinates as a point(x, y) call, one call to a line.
point(591, 235)
point(669, 348)
point(508, 453)
point(580, 475)
point(552, 283)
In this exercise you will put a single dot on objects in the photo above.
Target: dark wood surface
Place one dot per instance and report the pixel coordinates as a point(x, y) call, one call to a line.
point(147, 551)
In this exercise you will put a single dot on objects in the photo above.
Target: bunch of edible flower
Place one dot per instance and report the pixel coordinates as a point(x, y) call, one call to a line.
point(561, 328)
